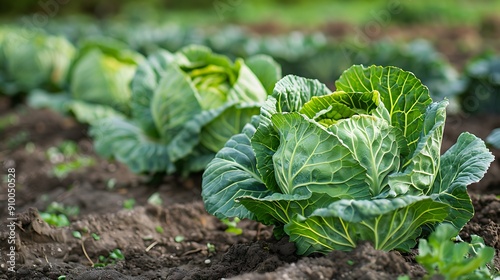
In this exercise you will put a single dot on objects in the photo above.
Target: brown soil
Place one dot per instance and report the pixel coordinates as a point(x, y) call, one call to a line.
point(47, 252)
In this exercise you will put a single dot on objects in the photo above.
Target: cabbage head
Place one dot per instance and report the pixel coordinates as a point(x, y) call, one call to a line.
point(184, 107)
point(362, 163)
point(33, 60)
point(102, 73)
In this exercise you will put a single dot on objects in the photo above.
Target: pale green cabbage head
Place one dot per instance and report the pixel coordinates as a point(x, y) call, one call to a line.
point(35, 60)
point(185, 106)
point(102, 73)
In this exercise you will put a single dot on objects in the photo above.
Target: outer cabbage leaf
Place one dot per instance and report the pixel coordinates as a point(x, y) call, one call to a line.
point(187, 139)
point(279, 209)
point(118, 138)
point(404, 96)
point(311, 160)
point(39, 98)
point(197, 55)
point(215, 133)
point(211, 129)
point(144, 83)
point(289, 95)
point(174, 102)
point(247, 87)
point(195, 161)
point(372, 143)
point(464, 163)
point(419, 173)
point(92, 113)
point(276, 209)
point(388, 223)
point(265, 69)
point(232, 174)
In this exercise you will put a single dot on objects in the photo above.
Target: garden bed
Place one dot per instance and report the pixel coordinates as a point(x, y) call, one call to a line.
point(177, 239)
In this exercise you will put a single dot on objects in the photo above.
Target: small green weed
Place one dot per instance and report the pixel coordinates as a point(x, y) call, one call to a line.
point(57, 214)
point(58, 220)
point(129, 204)
point(95, 236)
point(159, 229)
point(179, 238)
point(211, 248)
point(30, 147)
point(232, 225)
point(77, 234)
point(112, 258)
point(111, 183)
point(155, 199)
point(66, 159)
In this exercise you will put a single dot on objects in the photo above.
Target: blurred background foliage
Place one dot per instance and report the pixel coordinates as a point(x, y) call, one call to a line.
point(298, 13)
point(437, 40)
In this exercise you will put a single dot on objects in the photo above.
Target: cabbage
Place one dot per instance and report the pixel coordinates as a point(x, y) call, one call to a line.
point(102, 74)
point(184, 107)
point(33, 60)
point(360, 164)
